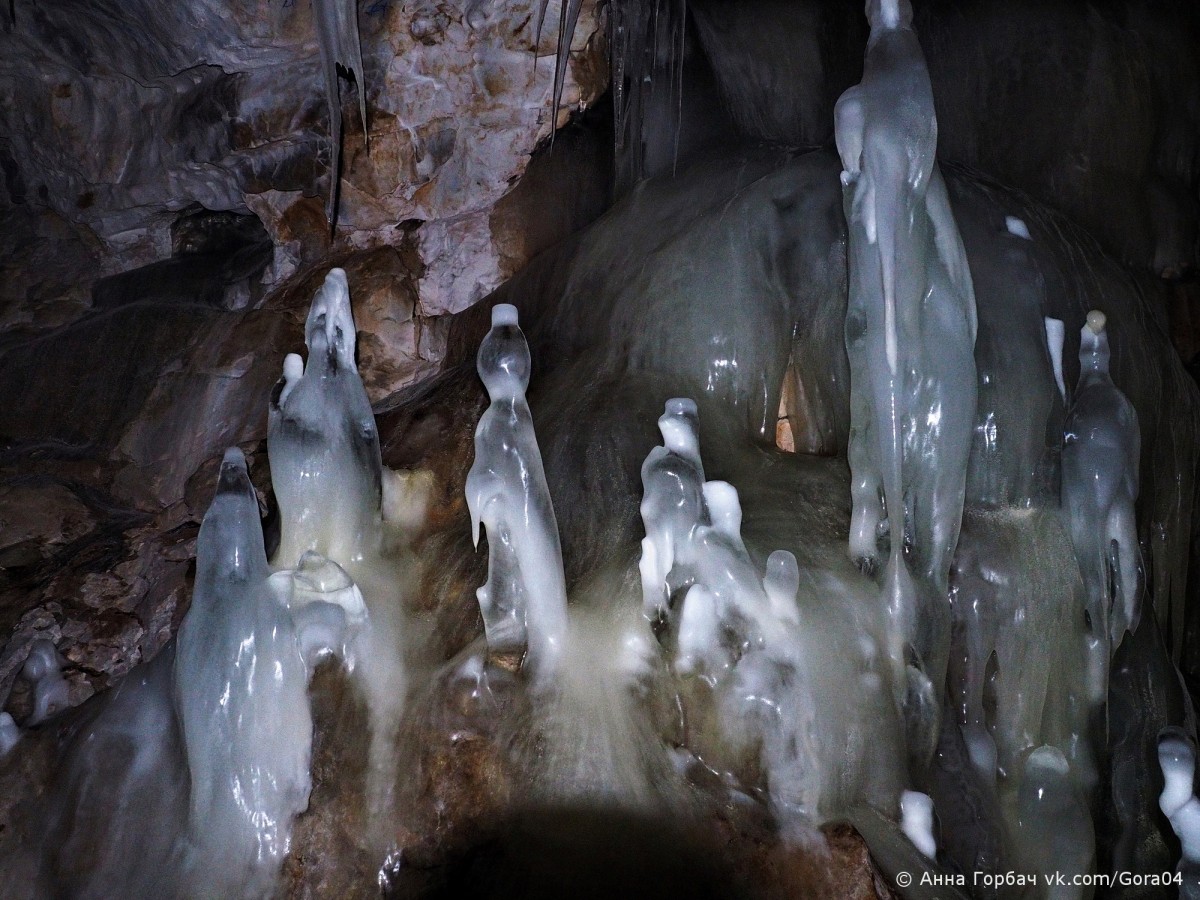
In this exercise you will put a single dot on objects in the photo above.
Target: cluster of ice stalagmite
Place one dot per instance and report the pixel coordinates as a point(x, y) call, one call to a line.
point(910, 336)
point(524, 602)
point(1100, 457)
point(737, 627)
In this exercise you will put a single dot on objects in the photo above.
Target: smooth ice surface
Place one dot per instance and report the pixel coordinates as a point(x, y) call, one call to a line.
point(241, 685)
point(910, 337)
point(916, 820)
point(1100, 459)
point(524, 602)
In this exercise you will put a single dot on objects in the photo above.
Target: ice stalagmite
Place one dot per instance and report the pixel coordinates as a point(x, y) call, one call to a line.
point(323, 446)
point(672, 501)
point(43, 669)
point(524, 602)
point(1054, 835)
point(1101, 451)
point(910, 336)
point(322, 442)
point(241, 689)
point(1177, 759)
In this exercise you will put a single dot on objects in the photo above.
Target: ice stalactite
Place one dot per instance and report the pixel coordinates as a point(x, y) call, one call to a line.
point(1177, 759)
point(241, 686)
point(1100, 459)
point(910, 336)
point(323, 447)
point(524, 602)
point(337, 37)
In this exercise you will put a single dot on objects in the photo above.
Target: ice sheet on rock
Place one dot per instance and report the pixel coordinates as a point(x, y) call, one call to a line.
point(241, 686)
point(910, 337)
point(1101, 458)
point(1177, 759)
point(524, 602)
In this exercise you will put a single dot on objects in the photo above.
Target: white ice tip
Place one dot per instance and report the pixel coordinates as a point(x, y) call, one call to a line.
point(1048, 759)
point(1017, 227)
point(680, 406)
point(1096, 321)
point(337, 278)
point(504, 314)
point(233, 457)
point(293, 367)
point(916, 821)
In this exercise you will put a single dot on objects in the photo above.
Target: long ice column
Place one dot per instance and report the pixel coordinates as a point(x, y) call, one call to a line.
point(524, 602)
point(910, 336)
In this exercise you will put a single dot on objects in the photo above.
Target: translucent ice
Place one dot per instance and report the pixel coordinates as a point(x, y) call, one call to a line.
point(524, 601)
point(1055, 334)
point(327, 608)
point(43, 671)
point(1100, 461)
point(241, 687)
point(910, 336)
point(1177, 759)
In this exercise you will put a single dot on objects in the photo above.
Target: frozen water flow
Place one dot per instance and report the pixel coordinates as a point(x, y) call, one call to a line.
point(524, 602)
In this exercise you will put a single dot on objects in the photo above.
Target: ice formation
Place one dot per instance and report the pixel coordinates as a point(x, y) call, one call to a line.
point(524, 602)
point(337, 37)
point(1100, 459)
point(323, 447)
point(1054, 827)
point(242, 691)
point(910, 337)
point(10, 734)
point(43, 670)
point(916, 820)
point(1177, 759)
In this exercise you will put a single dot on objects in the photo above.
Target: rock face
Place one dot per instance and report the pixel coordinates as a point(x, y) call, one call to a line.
point(221, 104)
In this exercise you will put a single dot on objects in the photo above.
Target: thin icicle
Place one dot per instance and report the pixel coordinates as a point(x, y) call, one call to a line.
point(337, 35)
